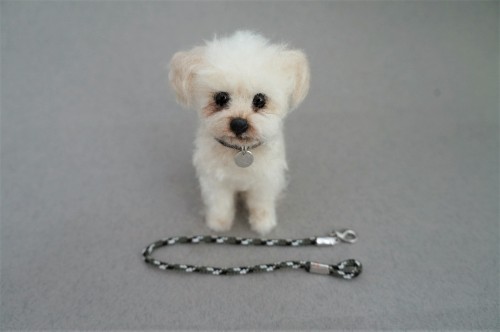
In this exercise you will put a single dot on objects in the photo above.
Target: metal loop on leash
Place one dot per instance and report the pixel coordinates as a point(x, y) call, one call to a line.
point(347, 269)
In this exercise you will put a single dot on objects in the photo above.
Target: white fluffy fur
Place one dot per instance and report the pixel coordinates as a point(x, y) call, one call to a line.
point(242, 65)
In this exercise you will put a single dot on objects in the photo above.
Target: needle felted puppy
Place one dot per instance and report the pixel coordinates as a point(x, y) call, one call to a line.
point(242, 87)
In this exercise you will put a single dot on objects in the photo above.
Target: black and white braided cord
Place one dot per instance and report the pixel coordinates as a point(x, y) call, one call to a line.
point(347, 269)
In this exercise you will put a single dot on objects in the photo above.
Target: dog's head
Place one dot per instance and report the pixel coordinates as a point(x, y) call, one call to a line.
point(242, 85)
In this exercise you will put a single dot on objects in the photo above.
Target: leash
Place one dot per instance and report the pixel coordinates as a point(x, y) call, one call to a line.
point(347, 269)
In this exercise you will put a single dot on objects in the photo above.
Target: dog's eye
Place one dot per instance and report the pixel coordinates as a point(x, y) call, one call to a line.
point(259, 100)
point(221, 98)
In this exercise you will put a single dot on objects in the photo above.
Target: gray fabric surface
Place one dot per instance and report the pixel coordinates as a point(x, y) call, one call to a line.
point(398, 140)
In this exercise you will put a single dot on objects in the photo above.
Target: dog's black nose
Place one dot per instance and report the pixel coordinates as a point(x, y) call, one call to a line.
point(238, 126)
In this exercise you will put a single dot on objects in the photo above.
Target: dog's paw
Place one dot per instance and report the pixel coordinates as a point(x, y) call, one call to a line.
point(219, 224)
point(262, 221)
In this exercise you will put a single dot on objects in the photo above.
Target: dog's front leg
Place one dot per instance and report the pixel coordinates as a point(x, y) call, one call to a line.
point(261, 203)
point(219, 204)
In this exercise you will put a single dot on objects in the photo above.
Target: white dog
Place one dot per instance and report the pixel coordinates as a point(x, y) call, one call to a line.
point(243, 87)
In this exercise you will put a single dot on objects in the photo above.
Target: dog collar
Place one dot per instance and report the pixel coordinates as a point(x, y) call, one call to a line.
point(236, 147)
point(244, 157)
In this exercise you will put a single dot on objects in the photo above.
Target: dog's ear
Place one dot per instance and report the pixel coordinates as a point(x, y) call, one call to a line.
point(183, 68)
point(296, 67)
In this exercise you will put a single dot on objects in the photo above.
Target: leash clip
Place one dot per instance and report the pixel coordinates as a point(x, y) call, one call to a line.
point(346, 235)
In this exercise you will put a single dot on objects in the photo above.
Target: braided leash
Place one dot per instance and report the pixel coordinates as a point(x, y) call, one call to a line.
point(347, 269)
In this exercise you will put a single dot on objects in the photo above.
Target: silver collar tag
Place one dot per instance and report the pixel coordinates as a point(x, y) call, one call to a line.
point(243, 158)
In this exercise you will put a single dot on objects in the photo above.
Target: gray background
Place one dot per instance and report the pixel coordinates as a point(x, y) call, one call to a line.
point(398, 140)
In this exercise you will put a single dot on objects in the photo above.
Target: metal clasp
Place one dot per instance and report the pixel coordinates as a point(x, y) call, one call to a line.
point(346, 235)
point(335, 237)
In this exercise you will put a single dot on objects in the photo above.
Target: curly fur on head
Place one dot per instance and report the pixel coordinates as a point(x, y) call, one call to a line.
point(243, 77)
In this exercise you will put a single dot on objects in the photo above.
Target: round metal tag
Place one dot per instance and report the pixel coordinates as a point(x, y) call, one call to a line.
point(243, 159)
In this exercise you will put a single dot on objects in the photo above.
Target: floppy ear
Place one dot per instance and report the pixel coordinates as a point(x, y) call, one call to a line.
point(183, 68)
point(297, 69)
